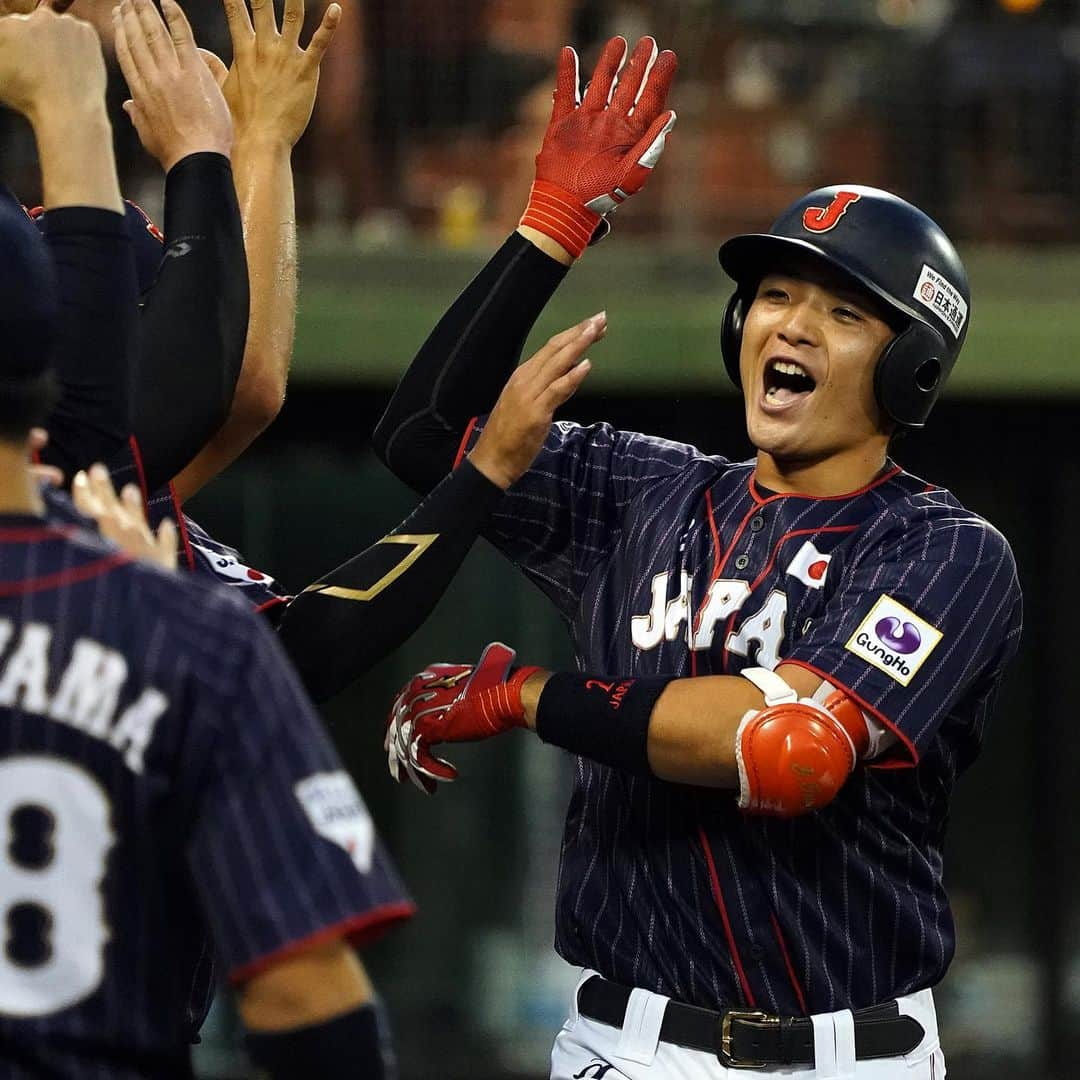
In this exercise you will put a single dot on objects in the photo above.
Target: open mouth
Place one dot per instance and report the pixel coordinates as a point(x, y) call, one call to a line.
point(786, 381)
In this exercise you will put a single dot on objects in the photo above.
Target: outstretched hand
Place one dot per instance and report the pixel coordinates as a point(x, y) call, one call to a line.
point(519, 422)
point(601, 149)
point(176, 105)
point(272, 83)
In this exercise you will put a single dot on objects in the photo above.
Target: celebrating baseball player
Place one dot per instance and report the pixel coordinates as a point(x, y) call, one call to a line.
point(784, 663)
point(167, 794)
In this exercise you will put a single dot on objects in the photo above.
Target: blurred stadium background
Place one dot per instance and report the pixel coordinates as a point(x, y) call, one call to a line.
point(416, 165)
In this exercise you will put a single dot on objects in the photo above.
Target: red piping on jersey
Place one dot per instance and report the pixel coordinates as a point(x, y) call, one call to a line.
point(878, 715)
point(260, 608)
point(64, 577)
point(818, 498)
point(357, 930)
point(714, 881)
point(33, 533)
point(181, 526)
point(465, 441)
point(715, 534)
point(35, 456)
point(136, 455)
point(787, 962)
point(765, 573)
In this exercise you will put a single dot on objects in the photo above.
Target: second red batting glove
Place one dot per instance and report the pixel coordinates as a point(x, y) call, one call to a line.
point(452, 703)
point(601, 149)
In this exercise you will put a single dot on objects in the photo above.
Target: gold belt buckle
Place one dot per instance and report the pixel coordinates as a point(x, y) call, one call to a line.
point(727, 1056)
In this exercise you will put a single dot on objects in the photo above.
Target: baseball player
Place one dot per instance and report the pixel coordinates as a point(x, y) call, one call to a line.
point(784, 663)
point(166, 793)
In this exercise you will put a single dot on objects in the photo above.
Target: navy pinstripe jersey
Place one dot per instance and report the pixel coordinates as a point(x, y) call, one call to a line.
point(665, 561)
point(164, 784)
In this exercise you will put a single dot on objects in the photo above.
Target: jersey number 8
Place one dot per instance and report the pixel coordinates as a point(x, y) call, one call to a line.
point(55, 820)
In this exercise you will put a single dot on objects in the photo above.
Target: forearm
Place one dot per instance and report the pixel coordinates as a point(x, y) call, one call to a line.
point(97, 336)
point(465, 362)
point(76, 154)
point(194, 320)
point(688, 737)
point(350, 619)
point(264, 188)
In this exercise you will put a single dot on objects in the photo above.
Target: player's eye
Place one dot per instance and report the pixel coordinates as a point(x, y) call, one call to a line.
point(847, 314)
point(774, 292)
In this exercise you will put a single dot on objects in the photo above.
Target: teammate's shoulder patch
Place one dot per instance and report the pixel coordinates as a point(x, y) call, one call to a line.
point(894, 639)
point(336, 811)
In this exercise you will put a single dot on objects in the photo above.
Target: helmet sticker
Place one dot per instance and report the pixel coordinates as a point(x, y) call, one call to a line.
point(937, 293)
point(819, 219)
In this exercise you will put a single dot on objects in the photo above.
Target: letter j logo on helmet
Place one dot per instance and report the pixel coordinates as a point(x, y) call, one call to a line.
point(819, 219)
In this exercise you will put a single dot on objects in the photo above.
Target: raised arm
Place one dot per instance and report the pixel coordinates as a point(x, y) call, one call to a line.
point(596, 153)
point(194, 318)
point(271, 91)
point(52, 71)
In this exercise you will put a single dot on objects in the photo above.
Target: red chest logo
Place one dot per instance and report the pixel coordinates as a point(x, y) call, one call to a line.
point(821, 219)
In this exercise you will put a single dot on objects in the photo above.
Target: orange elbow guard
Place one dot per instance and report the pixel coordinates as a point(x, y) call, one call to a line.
point(794, 755)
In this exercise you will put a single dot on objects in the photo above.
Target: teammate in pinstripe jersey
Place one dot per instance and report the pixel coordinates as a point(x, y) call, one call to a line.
point(167, 794)
point(784, 663)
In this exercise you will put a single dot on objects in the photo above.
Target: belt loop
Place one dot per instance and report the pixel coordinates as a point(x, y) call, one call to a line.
point(641, 1026)
point(824, 1047)
point(844, 1026)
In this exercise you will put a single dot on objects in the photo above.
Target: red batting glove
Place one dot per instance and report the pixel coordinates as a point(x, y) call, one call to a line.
point(599, 151)
point(452, 703)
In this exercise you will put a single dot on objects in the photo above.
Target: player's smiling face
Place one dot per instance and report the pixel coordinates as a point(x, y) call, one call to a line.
point(809, 348)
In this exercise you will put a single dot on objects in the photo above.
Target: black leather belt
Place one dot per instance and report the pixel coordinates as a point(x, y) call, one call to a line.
point(754, 1040)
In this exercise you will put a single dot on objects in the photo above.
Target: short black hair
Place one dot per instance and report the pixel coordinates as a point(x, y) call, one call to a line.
point(26, 403)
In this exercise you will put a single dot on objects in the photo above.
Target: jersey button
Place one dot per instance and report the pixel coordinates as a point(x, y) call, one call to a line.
point(757, 523)
point(757, 953)
point(742, 562)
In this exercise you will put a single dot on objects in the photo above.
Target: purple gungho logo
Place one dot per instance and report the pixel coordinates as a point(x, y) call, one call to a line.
point(903, 638)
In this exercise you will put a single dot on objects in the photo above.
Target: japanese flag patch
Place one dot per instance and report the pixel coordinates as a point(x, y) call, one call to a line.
point(336, 812)
point(809, 566)
point(894, 639)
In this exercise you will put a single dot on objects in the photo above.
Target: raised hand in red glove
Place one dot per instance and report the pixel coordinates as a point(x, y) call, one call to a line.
point(600, 150)
point(452, 703)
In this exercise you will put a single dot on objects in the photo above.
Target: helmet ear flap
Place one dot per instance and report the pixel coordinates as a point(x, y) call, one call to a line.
point(731, 329)
point(909, 374)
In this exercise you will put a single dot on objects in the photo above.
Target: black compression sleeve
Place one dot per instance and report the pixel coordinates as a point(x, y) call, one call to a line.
point(357, 614)
point(194, 320)
point(97, 340)
point(465, 362)
point(351, 1046)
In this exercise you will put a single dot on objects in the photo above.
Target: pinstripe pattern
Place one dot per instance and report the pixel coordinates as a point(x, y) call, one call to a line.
point(210, 839)
point(670, 888)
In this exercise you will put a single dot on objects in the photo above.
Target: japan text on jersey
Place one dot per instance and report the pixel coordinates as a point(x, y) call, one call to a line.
point(163, 784)
point(663, 560)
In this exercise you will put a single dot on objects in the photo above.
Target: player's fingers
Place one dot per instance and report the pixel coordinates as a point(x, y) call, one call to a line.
point(166, 545)
point(155, 33)
point(132, 500)
point(633, 76)
point(557, 341)
point(559, 361)
point(216, 65)
point(239, 22)
point(564, 388)
point(180, 32)
point(567, 94)
point(81, 496)
point(603, 80)
point(292, 19)
point(647, 152)
point(263, 19)
point(39, 438)
point(320, 40)
point(130, 49)
point(652, 97)
point(101, 486)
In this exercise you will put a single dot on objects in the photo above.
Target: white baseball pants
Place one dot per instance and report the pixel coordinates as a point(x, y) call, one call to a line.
point(588, 1050)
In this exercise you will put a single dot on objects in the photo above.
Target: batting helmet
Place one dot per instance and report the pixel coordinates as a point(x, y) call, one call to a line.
point(888, 248)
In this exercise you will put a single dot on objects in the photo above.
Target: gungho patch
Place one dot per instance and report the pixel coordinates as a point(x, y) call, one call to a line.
point(894, 639)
